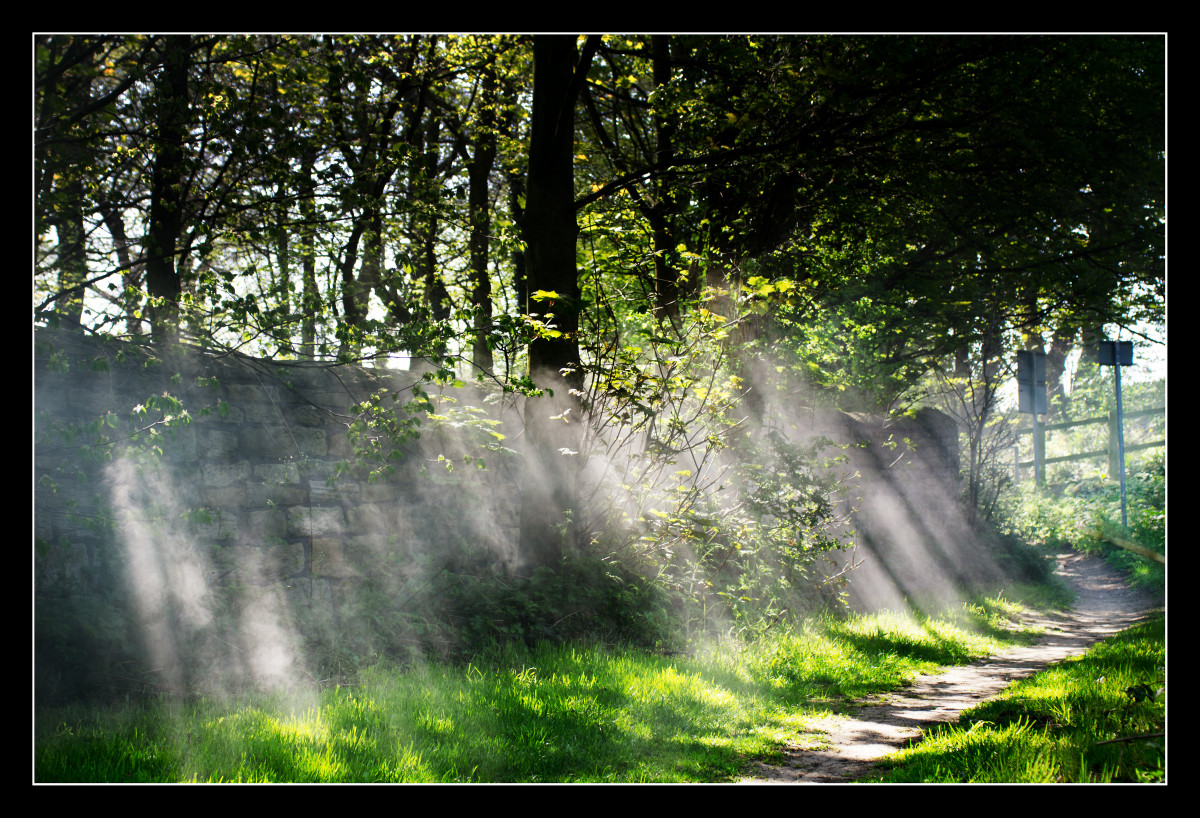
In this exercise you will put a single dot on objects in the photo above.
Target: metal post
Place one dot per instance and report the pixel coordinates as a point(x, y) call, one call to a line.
point(1121, 445)
point(1114, 454)
point(1117, 354)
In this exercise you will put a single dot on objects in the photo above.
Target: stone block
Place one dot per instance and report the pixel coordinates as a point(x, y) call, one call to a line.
point(229, 498)
point(278, 473)
point(328, 557)
point(215, 525)
point(257, 404)
point(338, 442)
point(217, 441)
point(380, 552)
point(312, 440)
point(224, 475)
point(305, 414)
point(258, 441)
point(343, 491)
point(377, 518)
point(392, 490)
point(265, 566)
point(62, 558)
point(257, 494)
point(261, 526)
point(316, 521)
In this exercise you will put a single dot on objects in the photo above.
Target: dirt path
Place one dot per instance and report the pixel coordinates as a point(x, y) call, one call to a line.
point(845, 748)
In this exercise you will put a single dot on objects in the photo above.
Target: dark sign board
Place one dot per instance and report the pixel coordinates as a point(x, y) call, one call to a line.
point(1116, 353)
point(1031, 382)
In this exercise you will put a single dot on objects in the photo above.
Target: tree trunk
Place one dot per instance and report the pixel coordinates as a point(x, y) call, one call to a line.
point(552, 421)
point(72, 255)
point(663, 211)
point(167, 194)
point(1057, 399)
point(310, 299)
point(479, 207)
point(131, 272)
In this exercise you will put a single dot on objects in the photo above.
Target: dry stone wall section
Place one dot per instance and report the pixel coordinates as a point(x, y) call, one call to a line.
point(141, 509)
point(144, 513)
point(254, 466)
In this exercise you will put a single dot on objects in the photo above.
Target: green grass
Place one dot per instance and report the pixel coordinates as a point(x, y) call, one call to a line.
point(1060, 724)
point(549, 714)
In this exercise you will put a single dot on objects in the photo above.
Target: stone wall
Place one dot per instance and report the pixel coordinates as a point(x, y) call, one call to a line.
point(255, 465)
point(139, 509)
point(911, 534)
point(164, 537)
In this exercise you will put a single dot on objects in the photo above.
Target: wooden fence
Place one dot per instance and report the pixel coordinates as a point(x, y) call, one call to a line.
point(1111, 452)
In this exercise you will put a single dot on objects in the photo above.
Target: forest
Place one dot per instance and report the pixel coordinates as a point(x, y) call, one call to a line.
point(659, 247)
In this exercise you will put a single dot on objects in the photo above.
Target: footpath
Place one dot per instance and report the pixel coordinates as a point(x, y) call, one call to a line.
point(845, 748)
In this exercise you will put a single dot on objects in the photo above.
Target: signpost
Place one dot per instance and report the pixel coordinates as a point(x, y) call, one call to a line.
point(1118, 354)
point(1031, 397)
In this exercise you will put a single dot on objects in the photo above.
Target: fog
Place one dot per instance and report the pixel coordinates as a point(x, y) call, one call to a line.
point(200, 636)
point(288, 599)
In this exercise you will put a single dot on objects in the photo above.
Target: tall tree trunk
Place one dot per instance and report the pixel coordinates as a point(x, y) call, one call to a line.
point(352, 315)
point(310, 299)
point(516, 208)
point(64, 166)
point(663, 210)
point(1061, 344)
point(167, 194)
point(72, 254)
point(283, 254)
point(131, 272)
point(479, 207)
point(552, 421)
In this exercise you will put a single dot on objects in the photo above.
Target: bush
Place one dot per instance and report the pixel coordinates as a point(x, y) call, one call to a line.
point(1070, 518)
point(583, 599)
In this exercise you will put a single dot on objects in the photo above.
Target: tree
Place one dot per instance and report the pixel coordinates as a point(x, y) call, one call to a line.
point(870, 209)
point(76, 91)
point(553, 418)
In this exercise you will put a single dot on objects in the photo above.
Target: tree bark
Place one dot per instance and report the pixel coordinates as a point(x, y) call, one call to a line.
point(72, 255)
point(553, 422)
point(664, 209)
point(131, 270)
point(479, 207)
point(310, 299)
point(167, 194)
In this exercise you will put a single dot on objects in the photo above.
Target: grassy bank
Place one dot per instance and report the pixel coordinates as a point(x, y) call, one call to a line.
point(549, 714)
point(1095, 718)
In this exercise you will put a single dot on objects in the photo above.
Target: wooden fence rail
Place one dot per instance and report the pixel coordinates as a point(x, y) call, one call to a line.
point(1111, 452)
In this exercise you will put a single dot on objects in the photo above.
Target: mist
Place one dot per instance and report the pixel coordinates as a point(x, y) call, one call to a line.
point(304, 532)
point(218, 628)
